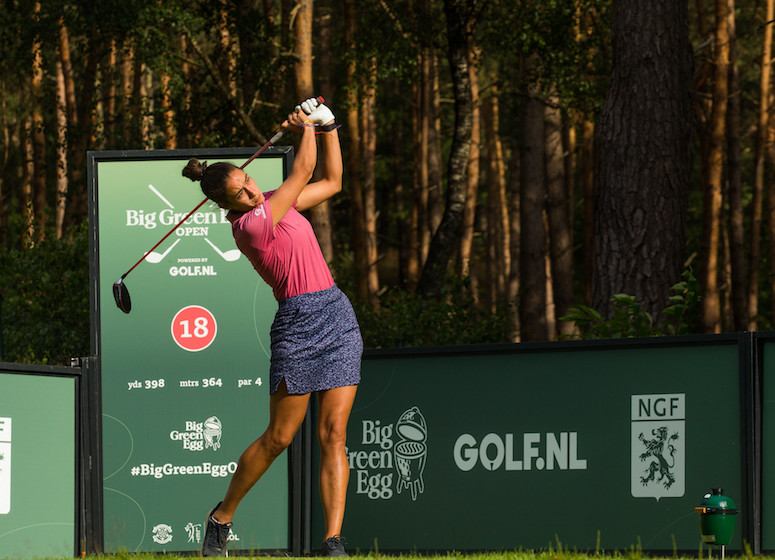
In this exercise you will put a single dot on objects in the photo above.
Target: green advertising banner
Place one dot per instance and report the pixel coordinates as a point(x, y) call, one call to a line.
point(184, 388)
point(579, 446)
point(37, 466)
point(767, 351)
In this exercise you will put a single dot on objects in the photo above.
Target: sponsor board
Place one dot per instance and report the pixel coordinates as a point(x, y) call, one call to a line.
point(39, 480)
point(562, 431)
point(182, 374)
point(5, 465)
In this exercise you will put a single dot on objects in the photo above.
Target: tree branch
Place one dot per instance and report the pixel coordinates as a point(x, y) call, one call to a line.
point(400, 28)
point(225, 89)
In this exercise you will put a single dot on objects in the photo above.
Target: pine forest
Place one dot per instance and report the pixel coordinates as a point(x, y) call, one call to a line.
point(514, 170)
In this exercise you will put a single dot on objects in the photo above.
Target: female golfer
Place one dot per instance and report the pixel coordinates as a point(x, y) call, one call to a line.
point(315, 340)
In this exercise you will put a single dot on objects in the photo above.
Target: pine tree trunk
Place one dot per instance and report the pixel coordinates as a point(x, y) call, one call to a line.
point(422, 143)
point(711, 301)
point(3, 164)
point(248, 42)
point(397, 194)
point(757, 204)
point(469, 217)
point(189, 137)
point(532, 269)
point(725, 273)
point(127, 100)
point(551, 321)
point(587, 166)
point(67, 74)
point(146, 106)
point(354, 170)
point(28, 240)
point(168, 113)
point(67, 121)
point(647, 117)
point(736, 239)
point(702, 25)
point(503, 209)
point(229, 51)
point(497, 206)
point(61, 171)
point(80, 136)
point(515, 241)
point(302, 30)
point(413, 259)
point(770, 192)
point(447, 237)
point(369, 143)
point(39, 203)
point(435, 183)
point(559, 204)
point(109, 93)
point(586, 18)
point(323, 54)
point(286, 7)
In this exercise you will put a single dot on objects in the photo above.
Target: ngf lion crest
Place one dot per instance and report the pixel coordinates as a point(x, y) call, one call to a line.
point(658, 440)
point(658, 450)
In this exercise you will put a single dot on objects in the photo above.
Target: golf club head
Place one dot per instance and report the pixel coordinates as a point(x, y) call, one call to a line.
point(121, 295)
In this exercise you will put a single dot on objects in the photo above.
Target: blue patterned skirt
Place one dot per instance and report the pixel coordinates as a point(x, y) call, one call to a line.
point(316, 343)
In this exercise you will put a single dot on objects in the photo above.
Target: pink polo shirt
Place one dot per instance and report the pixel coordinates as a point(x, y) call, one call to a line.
point(287, 256)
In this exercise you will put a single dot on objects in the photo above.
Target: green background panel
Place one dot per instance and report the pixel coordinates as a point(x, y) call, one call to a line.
point(138, 353)
point(41, 520)
point(768, 445)
point(587, 392)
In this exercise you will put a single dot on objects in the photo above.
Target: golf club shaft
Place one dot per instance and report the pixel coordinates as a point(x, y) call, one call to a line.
point(271, 141)
point(163, 238)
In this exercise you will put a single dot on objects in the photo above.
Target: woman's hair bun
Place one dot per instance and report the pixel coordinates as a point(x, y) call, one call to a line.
point(195, 169)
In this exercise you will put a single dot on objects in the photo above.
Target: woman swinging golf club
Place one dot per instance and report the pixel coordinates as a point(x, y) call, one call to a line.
point(315, 340)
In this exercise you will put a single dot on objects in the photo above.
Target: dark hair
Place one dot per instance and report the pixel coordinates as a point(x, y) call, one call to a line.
point(212, 178)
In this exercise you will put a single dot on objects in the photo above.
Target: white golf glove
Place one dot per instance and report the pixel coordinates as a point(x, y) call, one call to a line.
point(317, 112)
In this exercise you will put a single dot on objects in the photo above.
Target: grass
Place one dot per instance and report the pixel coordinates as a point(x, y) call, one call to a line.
point(552, 553)
point(564, 555)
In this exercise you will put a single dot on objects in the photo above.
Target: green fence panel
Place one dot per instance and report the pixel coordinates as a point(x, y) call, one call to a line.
point(184, 387)
point(37, 465)
point(767, 355)
point(585, 446)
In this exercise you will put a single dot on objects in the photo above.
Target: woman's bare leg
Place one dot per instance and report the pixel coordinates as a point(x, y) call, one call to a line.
point(334, 412)
point(286, 413)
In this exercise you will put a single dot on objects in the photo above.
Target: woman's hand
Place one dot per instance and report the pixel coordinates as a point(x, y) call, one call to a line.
point(318, 113)
point(297, 120)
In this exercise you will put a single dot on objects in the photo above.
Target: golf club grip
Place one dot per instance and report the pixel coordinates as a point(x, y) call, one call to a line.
point(272, 140)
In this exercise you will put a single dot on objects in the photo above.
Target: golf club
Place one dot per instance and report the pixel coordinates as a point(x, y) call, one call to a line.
point(120, 291)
